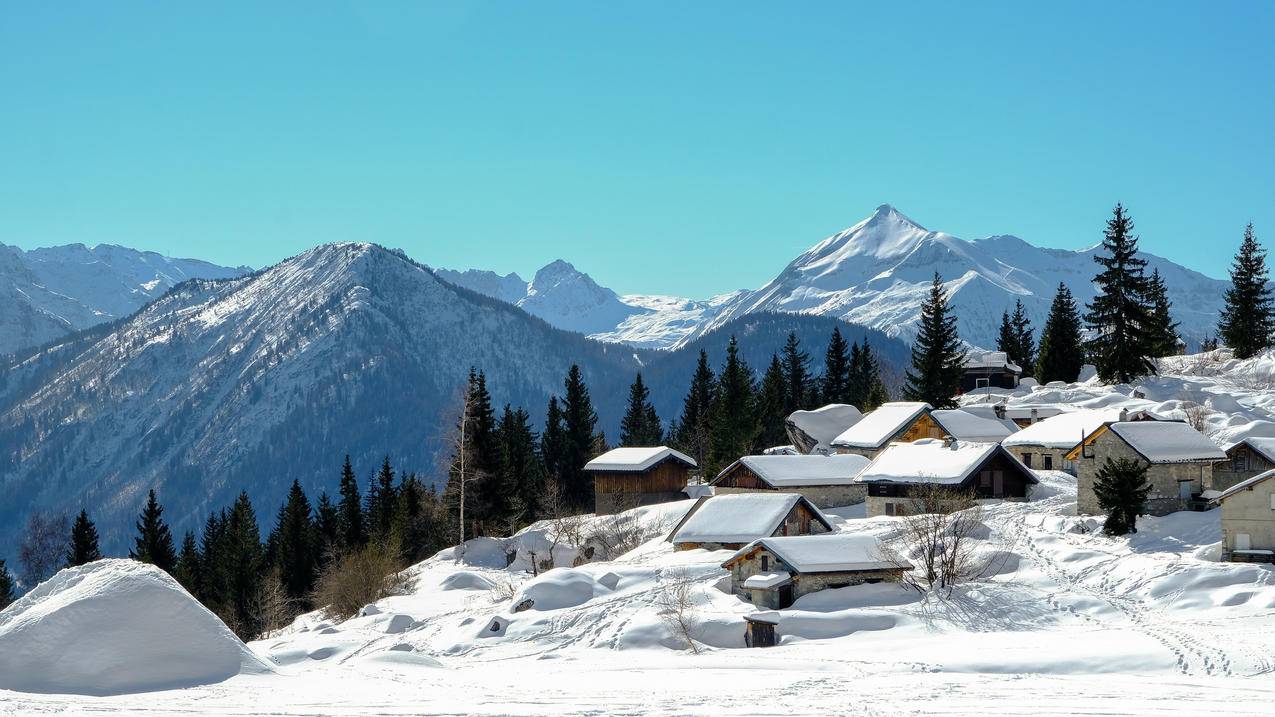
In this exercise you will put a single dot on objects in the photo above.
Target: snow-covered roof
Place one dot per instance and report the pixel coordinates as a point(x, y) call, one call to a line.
point(828, 553)
point(767, 580)
point(991, 359)
point(931, 460)
point(635, 459)
point(974, 423)
point(879, 426)
point(739, 517)
point(1168, 441)
point(1265, 447)
point(1064, 430)
point(824, 424)
point(793, 471)
point(1243, 485)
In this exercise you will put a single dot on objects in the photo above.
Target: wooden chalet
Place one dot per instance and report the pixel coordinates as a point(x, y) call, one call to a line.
point(773, 572)
point(729, 522)
point(826, 481)
point(625, 478)
point(986, 469)
point(904, 421)
point(1246, 459)
point(989, 370)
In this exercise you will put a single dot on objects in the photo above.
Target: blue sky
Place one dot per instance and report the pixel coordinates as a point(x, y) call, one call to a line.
point(687, 148)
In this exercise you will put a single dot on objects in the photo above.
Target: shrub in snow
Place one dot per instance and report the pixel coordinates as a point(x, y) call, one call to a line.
point(113, 627)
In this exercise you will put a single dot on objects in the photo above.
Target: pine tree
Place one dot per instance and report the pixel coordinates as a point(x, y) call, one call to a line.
point(553, 442)
point(243, 559)
point(1025, 344)
point(1248, 319)
point(189, 564)
point(482, 494)
point(84, 547)
point(154, 542)
point(938, 359)
point(1162, 330)
point(771, 404)
point(836, 369)
point(7, 588)
point(381, 502)
point(353, 531)
point(1118, 316)
point(1061, 347)
point(1121, 488)
point(212, 588)
point(521, 475)
point(798, 393)
point(694, 426)
point(640, 425)
point(294, 544)
point(579, 423)
point(1007, 337)
point(868, 379)
point(734, 418)
point(327, 528)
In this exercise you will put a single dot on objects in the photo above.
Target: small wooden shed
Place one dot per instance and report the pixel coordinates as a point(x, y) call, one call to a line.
point(629, 477)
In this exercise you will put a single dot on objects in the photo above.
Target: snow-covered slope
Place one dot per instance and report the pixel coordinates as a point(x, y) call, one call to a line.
point(50, 292)
point(250, 382)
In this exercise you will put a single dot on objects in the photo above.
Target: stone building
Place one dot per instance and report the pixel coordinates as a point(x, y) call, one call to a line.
point(992, 369)
point(1044, 445)
point(897, 421)
point(626, 478)
point(826, 481)
point(1248, 519)
point(729, 522)
point(1244, 460)
point(773, 572)
point(1179, 462)
point(986, 470)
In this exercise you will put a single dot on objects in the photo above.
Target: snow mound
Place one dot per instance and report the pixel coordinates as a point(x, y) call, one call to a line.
point(115, 627)
point(560, 588)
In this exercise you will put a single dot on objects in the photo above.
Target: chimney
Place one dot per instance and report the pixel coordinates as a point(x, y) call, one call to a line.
point(949, 442)
point(1124, 415)
point(1035, 415)
point(999, 410)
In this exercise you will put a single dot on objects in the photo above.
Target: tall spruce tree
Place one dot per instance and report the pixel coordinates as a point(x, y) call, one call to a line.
point(382, 502)
point(1061, 345)
point(154, 542)
point(1121, 488)
point(484, 454)
point(295, 546)
point(1248, 319)
point(734, 422)
point(579, 422)
point(242, 555)
point(694, 426)
point(836, 369)
point(1007, 337)
point(350, 509)
point(868, 379)
point(799, 391)
point(641, 424)
point(327, 528)
point(8, 589)
point(189, 564)
point(938, 358)
point(1025, 344)
point(553, 443)
point(521, 474)
point(772, 402)
point(1162, 330)
point(83, 548)
point(1118, 316)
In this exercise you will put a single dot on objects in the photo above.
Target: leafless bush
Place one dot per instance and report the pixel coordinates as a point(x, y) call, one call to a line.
point(615, 535)
point(677, 608)
point(1197, 416)
point(271, 605)
point(939, 535)
point(42, 551)
point(504, 588)
point(358, 578)
point(564, 525)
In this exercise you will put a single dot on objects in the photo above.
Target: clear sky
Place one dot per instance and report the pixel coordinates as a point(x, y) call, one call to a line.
point(687, 148)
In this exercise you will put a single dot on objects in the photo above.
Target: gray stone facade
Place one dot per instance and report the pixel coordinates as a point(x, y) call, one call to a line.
point(801, 583)
point(1044, 458)
point(823, 496)
point(1168, 492)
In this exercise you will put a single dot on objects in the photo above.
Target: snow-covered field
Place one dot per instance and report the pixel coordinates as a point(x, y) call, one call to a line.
point(1071, 622)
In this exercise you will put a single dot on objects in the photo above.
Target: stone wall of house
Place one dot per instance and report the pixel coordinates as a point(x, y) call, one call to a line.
point(823, 496)
point(1033, 456)
point(1250, 512)
point(807, 583)
point(1163, 477)
point(803, 584)
point(874, 506)
point(1240, 465)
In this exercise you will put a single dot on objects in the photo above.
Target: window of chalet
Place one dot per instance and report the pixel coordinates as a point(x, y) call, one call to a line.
point(889, 509)
point(1027, 460)
point(765, 563)
point(1048, 461)
point(985, 479)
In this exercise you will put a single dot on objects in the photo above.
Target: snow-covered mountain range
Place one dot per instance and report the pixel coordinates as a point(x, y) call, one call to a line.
point(48, 293)
point(874, 273)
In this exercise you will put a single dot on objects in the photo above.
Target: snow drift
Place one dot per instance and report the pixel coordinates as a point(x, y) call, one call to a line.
point(114, 627)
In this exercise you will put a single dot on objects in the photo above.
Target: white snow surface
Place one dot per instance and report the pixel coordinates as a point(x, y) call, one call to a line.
point(830, 553)
point(1065, 430)
point(1070, 622)
point(928, 460)
point(737, 518)
point(112, 627)
point(1168, 441)
point(974, 423)
point(634, 458)
point(790, 471)
point(881, 424)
